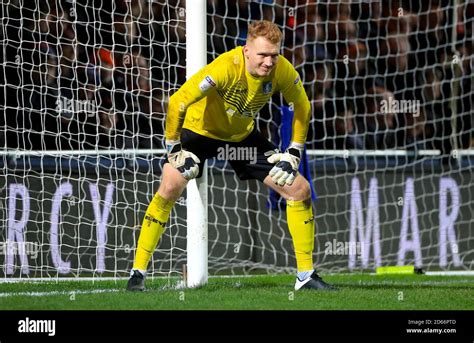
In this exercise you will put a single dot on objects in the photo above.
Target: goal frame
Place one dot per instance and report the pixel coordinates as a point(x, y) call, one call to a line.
point(196, 191)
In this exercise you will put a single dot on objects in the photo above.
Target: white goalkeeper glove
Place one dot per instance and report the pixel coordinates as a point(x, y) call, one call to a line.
point(184, 161)
point(286, 167)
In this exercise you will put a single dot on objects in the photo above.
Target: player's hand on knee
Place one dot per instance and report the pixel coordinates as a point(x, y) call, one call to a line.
point(286, 165)
point(184, 161)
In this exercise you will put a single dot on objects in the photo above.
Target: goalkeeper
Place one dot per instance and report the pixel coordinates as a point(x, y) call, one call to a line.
point(216, 107)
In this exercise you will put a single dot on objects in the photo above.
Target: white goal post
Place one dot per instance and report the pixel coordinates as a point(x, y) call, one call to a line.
point(196, 58)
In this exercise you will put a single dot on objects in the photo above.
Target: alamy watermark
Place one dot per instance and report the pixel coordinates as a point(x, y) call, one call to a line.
point(232, 153)
point(68, 106)
point(336, 247)
point(12, 248)
point(28, 325)
point(400, 106)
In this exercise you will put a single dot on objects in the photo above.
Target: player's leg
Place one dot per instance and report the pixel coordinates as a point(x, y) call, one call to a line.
point(299, 211)
point(157, 214)
point(172, 185)
point(299, 207)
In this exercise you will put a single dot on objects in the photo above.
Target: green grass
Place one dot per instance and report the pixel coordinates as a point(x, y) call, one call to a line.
point(357, 292)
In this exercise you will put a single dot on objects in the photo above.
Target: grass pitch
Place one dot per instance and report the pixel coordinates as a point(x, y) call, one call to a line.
point(357, 292)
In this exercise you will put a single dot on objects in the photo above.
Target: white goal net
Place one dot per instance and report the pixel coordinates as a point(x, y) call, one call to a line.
point(82, 107)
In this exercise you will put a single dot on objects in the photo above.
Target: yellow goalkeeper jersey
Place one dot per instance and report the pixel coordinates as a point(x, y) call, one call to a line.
point(223, 98)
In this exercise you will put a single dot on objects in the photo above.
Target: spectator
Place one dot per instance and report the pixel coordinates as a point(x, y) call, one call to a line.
point(341, 130)
point(400, 47)
point(378, 126)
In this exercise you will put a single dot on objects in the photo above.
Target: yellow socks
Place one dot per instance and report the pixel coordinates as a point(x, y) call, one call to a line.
point(153, 226)
point(301, 225)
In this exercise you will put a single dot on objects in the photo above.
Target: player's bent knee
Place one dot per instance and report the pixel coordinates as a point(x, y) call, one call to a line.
point(300, 190)
point(170, 190)
point(172, 184)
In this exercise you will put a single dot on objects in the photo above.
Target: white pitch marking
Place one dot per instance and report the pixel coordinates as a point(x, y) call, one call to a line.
point(46, 294)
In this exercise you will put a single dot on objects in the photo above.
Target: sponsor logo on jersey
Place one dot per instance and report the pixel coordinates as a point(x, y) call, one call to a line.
point(239, 90)
point(297, 80)
point(267, 87)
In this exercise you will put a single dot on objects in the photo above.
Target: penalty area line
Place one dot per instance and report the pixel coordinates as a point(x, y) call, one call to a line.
point(53, 293)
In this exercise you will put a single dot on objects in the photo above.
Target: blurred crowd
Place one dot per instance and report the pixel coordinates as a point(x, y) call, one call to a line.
point(380, 74)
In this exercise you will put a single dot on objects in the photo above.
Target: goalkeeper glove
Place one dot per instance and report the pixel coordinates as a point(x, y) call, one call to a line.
point(184, 161)
point(286, 167)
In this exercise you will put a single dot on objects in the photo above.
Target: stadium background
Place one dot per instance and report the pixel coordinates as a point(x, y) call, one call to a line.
point(127, 57)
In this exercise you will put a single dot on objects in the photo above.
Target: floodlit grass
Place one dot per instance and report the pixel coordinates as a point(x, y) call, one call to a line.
point(357, 292)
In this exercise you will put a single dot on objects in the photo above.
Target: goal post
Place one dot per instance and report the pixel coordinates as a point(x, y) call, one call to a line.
point(196, 190)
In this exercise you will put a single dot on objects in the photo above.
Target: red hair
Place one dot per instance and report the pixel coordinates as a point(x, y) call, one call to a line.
point(264, 28)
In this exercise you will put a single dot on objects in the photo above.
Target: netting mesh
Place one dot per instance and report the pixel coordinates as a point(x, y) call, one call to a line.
point(85, 89)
